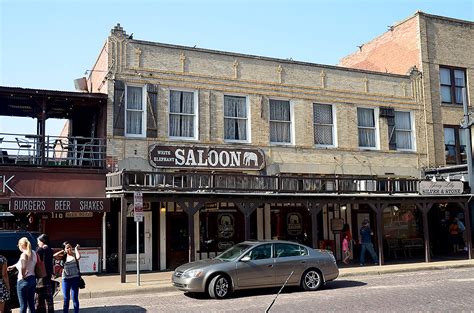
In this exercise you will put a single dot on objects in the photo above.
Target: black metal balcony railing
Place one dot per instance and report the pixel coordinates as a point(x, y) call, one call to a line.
point(212, 182)
point(54, 151)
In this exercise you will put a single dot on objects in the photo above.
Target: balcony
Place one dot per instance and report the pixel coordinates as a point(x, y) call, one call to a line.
point(228, 182)
point(51, 151)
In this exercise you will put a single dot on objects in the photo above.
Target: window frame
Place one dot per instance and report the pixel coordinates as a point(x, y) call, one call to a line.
point(144, 111)
point(334, 128)
point(412, 131)
point(195, 115)
point(291, 121)
point(376, 128)
point(453, 85)
point(457, 144)
point(247, 104)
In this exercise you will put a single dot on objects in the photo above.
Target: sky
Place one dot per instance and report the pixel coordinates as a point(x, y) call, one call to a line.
point(46, 44)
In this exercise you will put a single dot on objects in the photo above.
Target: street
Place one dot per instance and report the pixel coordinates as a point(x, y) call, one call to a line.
point(436, 290)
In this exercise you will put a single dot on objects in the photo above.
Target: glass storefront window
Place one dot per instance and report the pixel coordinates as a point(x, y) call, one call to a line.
point(402, 221)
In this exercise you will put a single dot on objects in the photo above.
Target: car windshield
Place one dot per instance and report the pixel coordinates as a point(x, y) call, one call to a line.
point(233, 252)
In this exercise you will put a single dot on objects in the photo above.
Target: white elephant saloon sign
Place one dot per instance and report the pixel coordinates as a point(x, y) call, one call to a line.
point(205, 157)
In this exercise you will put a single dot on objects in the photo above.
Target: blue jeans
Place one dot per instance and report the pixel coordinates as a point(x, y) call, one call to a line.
point(71, 284)
point(25, 289)
point(370, 247)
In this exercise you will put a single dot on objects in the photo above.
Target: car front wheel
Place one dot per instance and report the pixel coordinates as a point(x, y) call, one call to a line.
point(219, 287)
point(312, 280)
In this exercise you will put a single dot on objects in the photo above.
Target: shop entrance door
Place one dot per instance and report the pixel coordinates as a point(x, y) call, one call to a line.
point(177, 243)
point(145, 243)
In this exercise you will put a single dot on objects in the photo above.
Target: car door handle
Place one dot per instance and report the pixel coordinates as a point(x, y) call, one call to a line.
point(270, 265)
point(303, 262)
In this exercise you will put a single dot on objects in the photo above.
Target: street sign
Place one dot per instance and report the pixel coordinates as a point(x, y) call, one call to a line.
point(138, 206)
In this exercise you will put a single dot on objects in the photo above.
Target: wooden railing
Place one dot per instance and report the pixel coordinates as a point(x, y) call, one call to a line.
point(227, 182)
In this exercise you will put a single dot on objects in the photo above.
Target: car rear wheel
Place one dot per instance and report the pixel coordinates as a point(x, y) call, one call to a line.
point(312, 280)
point(219, 287)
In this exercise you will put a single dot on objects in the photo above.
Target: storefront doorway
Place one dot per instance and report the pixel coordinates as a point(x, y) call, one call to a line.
point(145, 248)
point(177, 243)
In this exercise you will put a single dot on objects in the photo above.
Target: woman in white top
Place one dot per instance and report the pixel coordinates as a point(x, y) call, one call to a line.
point(26, 283)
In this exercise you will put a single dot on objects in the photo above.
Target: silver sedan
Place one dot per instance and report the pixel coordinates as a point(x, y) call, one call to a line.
point(257, 264)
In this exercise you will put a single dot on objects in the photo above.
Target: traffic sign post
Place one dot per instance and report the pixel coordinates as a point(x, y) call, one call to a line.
point(138, 217)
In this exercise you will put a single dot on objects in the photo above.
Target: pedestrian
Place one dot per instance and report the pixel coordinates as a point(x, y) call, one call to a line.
point(70, 275)
point(4, 284)
point(26, 283)
point(345, 249)
point(346, 231)
point(454, 234)
point(366, 243)
point(44, 292)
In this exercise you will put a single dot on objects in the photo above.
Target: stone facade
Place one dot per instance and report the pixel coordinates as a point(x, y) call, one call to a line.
point(213, 74)
point(428, 42)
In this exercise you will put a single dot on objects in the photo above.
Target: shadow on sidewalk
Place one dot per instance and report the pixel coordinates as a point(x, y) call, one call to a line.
point(114, 309)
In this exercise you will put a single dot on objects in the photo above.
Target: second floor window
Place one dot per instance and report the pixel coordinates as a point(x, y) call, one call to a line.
point(182, 114)
point(367, 128)
point(135, 112)
point(235, 118)
point(403, 130)
point(452, 80)
point(280, 121)
point(323, 124)
point(454, 145)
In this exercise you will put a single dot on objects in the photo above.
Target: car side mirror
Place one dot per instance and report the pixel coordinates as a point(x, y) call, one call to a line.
point(245, 258)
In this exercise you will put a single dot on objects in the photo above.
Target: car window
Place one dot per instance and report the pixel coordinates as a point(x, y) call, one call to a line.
point(287, 249)
point(233, 252)
point(261, 252)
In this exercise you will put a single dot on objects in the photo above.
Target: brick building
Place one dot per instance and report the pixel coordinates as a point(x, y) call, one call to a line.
point(442, 49)
point(226, 147)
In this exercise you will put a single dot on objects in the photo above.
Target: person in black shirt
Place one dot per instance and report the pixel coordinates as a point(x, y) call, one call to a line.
point(44, 292)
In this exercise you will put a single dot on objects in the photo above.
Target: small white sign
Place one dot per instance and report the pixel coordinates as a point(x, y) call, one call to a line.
point(89, 261)
point(441, 188)
point(138, 206)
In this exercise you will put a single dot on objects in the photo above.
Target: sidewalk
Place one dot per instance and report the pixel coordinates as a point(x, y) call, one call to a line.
point(109, 285)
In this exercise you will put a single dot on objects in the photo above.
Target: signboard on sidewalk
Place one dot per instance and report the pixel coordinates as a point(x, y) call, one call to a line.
point(138, 206)
point(89, 261)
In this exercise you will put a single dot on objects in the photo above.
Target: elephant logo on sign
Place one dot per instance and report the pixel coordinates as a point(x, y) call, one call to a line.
point(250, 156)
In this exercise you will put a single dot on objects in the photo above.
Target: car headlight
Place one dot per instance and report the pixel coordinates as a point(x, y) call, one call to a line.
point(192, 274)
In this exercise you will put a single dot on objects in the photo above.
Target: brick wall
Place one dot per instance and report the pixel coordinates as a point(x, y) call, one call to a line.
point(212, 74)
point(395, 51)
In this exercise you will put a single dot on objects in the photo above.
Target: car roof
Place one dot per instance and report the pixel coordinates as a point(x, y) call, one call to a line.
point(256, 242)
point(9, 238)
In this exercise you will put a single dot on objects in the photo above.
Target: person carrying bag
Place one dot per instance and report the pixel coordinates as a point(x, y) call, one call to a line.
point(44, 284)
point(71, 276)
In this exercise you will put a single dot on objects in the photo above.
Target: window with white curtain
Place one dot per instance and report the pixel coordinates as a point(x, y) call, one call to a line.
point(182, 114)
point(134, 112)
point(452, 81)
point(367, 128)
point(235, 118)
point(280, 121)
point(323, 124)
point(403, 130)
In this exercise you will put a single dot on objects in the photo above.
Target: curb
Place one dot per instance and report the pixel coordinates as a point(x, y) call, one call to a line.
point(404, 270)
point(124, 292)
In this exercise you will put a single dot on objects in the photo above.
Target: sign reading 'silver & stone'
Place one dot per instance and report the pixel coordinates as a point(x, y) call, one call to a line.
point(205, 157)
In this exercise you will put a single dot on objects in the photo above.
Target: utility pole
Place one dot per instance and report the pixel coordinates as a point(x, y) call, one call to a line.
point(466, 124)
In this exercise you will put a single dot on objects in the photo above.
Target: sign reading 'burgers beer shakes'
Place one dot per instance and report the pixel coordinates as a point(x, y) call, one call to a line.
point(206, 157)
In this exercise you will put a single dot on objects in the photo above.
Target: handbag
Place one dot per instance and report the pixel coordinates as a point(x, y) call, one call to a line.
point(40, 268)
point(82, 283)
